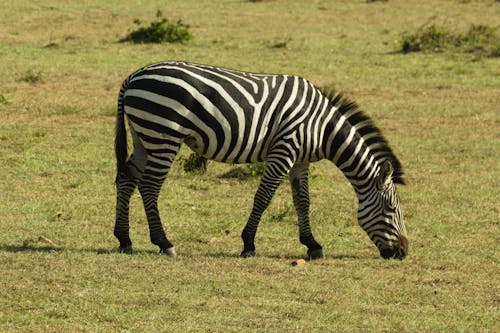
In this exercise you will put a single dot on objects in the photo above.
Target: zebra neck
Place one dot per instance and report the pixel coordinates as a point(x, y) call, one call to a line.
point(356, 145)
point(348, 150)
point(362, 175)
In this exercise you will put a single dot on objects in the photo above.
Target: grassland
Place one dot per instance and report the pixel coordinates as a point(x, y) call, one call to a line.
point(61, 65)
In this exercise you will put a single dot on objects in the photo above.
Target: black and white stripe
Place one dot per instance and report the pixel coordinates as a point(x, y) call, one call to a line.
point(239, 117)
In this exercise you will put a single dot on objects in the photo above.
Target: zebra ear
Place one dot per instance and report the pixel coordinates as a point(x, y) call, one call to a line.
point(384, 177)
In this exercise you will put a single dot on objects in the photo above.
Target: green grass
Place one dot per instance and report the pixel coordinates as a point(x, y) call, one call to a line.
point(62, 66)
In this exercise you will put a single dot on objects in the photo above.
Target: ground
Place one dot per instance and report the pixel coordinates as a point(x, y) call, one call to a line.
point(62, 65)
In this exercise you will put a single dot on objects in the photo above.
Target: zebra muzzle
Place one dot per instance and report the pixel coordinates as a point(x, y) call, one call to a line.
point(399, 251)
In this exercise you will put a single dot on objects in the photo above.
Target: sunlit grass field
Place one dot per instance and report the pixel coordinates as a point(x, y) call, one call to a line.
point(61, 65)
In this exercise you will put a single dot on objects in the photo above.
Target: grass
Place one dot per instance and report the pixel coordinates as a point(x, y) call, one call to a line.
point(438, 110)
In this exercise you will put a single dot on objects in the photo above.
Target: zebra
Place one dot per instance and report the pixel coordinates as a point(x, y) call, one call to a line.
point(241, 117)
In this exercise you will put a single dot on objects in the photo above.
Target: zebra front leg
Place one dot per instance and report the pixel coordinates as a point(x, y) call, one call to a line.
point(124, 189)
point(149, 188)
point(300, 189)
point(271, 179)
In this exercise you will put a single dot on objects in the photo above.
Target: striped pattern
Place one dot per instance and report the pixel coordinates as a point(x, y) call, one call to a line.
point(238, 117)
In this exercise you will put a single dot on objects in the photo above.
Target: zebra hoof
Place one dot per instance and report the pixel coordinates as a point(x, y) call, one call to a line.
point(248, 254)
point(169, 252)
point(126, 249)
point(316, 254)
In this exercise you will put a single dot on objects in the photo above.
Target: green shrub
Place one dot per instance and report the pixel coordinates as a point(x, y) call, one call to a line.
point(285, 213)
point(479, 39)
point(237, 172)
point(160, 30)
point(31, 76)
point(430, 38)
point(4, 100)
point(195, 164)
point(281, 44)
point(256, 169)
point(495, 51)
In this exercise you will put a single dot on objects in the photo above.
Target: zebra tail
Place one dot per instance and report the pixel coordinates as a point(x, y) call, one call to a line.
point(121, 136)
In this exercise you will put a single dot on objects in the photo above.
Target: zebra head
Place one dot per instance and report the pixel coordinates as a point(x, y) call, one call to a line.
point(380, 215)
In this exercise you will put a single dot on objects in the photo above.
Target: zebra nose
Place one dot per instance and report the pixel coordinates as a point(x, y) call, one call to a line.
point(398, 251)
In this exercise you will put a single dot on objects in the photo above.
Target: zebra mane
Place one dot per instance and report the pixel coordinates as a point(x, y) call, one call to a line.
point(366, 128)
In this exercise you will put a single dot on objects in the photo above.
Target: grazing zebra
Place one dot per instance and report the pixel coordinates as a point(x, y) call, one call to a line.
point(238, 117)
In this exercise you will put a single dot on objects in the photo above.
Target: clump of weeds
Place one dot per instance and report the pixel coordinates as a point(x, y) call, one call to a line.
point(30, 76)
point(195, 164)
point(160, 30)
point(479, 39)
point(4, 100)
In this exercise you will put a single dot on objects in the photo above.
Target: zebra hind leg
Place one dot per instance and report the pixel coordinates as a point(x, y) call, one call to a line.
point(125, 187)
point(126, 182)
point(149, 187)
point(300, 189)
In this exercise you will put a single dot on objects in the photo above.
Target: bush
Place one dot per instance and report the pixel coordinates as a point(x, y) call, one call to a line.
point(430, 38)
point(32, 77)
point(195, 164)
point(4, 100)
point(160, 30)
point(480, 39)
point(282, 44)
point(256, 169)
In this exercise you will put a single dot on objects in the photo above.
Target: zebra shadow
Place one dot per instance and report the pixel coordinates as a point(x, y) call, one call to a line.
point(283, 256)
point(216, 255)
point(60, 249)
point(327, 257)
point(30, 248)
